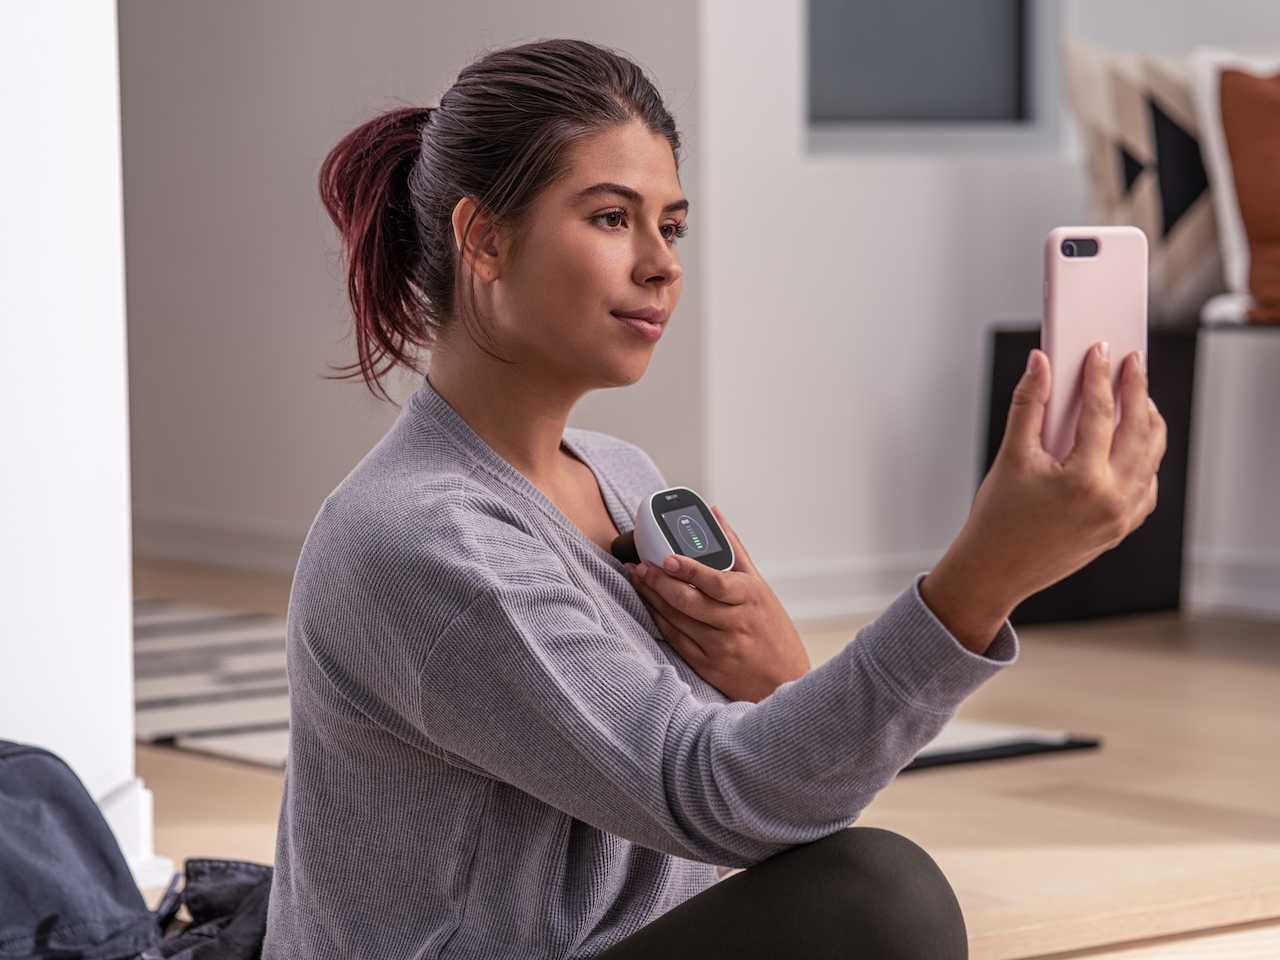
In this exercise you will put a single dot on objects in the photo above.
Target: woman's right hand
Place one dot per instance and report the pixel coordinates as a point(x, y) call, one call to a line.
point(1035, 520)
point(728, 625)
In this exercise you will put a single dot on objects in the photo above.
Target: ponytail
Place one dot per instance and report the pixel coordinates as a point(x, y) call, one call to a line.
point(364, 185)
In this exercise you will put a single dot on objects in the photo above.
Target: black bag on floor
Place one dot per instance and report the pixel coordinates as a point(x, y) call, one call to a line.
point(227, 901)
point(65, 888)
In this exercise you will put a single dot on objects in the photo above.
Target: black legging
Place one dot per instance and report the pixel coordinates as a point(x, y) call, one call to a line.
point(862, 893)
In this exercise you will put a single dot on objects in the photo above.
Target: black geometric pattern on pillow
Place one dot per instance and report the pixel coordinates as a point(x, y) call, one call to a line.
point(1178, 169)
point(1182, 175)
point(1131, 165)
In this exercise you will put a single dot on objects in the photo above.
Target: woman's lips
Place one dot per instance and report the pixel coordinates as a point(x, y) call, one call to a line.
point(650, 331)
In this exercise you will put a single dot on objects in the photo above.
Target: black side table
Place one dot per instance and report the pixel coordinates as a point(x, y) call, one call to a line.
point(1142, 574)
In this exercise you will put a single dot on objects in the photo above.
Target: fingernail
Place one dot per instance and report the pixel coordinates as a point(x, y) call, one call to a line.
point(1031, 362)
point(640, 569)
point(671, 564)
point(1104, 350)
point(629, 567)
point(1142, 360)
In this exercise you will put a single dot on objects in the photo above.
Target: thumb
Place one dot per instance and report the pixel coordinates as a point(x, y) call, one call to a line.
point(1026, 410)
point(741, 559)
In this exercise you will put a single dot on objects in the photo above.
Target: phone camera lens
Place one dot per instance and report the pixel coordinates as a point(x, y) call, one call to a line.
point(1068, 248)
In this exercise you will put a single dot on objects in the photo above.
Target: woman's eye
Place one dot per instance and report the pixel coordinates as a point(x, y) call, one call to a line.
point(611, 214)
point(677, 229)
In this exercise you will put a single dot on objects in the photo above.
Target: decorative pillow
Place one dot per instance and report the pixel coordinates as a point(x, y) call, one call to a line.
point(1207, 64)
point(1140, 131)
point(1251, 124)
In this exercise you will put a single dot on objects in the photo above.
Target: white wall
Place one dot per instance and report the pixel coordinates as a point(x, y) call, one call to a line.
point(831, 337)
point(847, 326)
point(65, 571)
point(1172, 27)
point(236, 293)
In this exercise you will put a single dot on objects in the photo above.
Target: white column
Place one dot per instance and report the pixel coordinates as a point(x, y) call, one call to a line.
point(66, 665)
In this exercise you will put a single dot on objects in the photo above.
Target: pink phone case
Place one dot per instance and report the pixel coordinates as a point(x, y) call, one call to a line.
point(1089, 298)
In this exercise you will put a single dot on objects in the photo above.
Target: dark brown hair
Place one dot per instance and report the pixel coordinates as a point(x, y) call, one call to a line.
point(499, 136)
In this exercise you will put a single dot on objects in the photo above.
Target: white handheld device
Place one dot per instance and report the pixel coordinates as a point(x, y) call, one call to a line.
point(671, 521)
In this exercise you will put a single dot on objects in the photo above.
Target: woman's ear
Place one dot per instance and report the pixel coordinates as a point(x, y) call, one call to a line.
point(482, 253)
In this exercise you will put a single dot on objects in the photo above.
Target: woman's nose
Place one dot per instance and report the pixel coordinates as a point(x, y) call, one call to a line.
point(662, 266)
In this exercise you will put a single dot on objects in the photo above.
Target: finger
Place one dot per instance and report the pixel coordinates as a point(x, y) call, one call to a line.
point(684, 645)
point(688, 624)
point(1159, 437)
point(1097, 410)
point(687, 599)
point(724, 586)
point(741, 559)
point(1146, 504)
point(1151, 499)
point(1131, 443)
point(1025, 422)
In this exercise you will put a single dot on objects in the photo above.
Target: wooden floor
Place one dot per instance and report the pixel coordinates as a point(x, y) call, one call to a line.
point(1164, 843)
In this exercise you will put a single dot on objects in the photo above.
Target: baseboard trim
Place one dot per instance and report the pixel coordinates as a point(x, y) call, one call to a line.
point(1232, 581)
point(848, 587)
point(130, 812)
point(215, 541)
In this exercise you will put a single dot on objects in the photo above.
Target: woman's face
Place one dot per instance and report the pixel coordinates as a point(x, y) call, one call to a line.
point(587, 254)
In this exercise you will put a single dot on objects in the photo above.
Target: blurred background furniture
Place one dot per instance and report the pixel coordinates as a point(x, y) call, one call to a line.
point(1144, 573)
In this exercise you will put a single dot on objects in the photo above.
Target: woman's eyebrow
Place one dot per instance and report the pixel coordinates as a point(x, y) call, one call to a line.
point(622, 191)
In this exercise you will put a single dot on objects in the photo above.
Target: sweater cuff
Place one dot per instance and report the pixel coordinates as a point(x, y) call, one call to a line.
point(923, 661)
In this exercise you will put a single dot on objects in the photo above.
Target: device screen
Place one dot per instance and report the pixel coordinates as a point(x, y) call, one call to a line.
point(692, 531)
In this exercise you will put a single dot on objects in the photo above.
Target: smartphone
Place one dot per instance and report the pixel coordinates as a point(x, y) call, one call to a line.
point(1095, 288)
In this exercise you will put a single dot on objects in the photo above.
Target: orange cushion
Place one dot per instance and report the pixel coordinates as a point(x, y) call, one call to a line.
point(1251, 126)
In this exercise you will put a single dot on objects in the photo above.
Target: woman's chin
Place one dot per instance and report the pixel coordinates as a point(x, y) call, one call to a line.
point(630, 369)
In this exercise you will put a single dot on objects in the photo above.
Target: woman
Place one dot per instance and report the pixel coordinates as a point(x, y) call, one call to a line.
point(504, 742)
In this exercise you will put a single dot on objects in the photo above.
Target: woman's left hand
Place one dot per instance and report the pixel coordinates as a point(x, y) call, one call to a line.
point(726, 624)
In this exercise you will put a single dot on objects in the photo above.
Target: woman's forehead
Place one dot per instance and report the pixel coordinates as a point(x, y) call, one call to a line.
point(631, 157)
